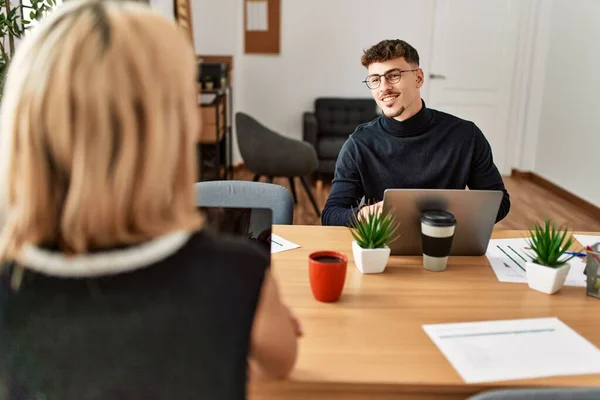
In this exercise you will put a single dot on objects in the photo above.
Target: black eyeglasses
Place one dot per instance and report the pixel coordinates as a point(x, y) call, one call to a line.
point(392, 76)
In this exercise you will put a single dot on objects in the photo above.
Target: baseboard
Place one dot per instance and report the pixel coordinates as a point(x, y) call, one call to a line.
point(515, 173)
point(559, 191)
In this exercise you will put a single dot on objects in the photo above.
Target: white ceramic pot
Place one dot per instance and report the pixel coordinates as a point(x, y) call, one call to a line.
point(370, 261)
point(545, 279)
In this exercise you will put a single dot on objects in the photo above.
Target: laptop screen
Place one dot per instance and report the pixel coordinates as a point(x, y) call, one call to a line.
point(254, 224)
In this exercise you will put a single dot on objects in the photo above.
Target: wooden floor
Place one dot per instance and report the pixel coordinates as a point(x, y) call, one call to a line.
point(529, 202)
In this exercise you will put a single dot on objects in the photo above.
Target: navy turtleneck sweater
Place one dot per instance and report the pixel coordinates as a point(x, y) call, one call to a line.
point(430, 150)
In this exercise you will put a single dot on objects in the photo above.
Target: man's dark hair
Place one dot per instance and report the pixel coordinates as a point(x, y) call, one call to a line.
point(388, 50)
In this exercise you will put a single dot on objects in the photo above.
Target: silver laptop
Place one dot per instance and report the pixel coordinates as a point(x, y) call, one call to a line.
point(475, 212)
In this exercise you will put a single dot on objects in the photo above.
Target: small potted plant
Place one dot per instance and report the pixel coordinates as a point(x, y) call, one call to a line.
point(548, 269)
point(208, 83)
point(372, 233)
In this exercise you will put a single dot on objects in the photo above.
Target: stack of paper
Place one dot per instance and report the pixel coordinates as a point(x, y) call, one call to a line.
point(514, 349)
point(508, 257)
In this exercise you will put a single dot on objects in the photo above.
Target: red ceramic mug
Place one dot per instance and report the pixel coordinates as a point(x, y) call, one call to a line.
point(327, 273)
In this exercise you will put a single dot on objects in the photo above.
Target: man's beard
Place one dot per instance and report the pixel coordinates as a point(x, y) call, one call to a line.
point(395, 114)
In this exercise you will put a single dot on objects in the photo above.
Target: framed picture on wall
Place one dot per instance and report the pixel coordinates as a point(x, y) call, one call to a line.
point(183, 15)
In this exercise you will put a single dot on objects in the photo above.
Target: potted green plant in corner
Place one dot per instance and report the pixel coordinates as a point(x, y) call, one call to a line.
point(15, 19)
point(549, 265)
point(372, 233)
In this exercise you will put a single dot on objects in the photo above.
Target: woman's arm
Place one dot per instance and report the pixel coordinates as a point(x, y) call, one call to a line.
point(273, 342)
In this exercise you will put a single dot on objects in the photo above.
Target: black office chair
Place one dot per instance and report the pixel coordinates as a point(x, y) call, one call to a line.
point(267, 153)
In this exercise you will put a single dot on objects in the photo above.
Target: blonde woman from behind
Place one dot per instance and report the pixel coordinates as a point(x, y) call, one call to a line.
point(109, 288)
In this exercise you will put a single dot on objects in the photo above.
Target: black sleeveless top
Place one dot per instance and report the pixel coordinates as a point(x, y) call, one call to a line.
point(176, 328)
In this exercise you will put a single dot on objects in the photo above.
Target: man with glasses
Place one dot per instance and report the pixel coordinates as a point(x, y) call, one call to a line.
point(410, 146)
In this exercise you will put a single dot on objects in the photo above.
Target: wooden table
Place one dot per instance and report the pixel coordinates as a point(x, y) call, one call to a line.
point(371, 343)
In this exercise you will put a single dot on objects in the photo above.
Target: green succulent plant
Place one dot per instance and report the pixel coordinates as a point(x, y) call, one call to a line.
point(375, 229)
point(549, 244)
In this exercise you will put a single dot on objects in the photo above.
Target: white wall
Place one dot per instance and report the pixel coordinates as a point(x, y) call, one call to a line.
point(213, 22)
point(568, 145)
point(321, 46)
point(164, 7)
point(215, 26)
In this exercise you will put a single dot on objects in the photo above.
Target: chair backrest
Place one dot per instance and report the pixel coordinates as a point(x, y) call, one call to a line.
point(248, 194)
point(539, 394)
point(340, 116)
point(253, 139)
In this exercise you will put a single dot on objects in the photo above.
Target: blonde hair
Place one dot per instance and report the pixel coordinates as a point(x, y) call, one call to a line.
point(99, 121)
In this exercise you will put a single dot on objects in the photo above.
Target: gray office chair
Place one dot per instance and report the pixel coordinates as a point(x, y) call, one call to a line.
point(247, 194)
point(539, 394)
point(267, 153)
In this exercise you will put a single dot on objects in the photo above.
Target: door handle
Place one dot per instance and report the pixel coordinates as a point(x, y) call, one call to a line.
point(436, 76)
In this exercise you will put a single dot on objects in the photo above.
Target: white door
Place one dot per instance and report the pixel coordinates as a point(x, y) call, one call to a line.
point(472, 66)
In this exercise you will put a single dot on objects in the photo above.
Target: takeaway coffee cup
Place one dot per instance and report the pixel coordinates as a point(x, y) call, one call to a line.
point(437, 233)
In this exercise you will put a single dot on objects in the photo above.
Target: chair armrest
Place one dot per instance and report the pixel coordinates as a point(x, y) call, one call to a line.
point(310, 128)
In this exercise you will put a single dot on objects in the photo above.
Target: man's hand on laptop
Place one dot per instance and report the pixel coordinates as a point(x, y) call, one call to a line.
point(366, 210)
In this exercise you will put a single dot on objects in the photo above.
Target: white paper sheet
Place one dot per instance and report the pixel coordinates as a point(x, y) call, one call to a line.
point(257, 15)
point(514, 349)
point(587, 240)
point(508, 257)
point(279, 244)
